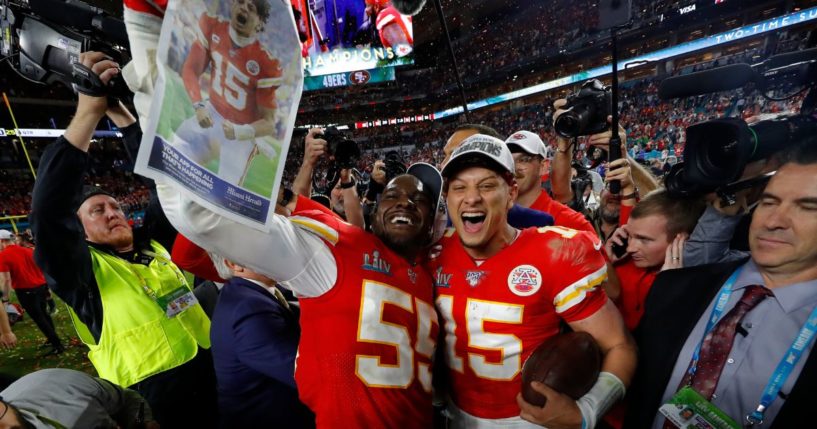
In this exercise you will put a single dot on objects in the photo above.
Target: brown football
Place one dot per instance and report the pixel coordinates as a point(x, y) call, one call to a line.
point(569, 363)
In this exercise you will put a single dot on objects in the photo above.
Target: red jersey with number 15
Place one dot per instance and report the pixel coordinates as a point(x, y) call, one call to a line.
point(364, 358)
point(497, 313)
point(242, 78)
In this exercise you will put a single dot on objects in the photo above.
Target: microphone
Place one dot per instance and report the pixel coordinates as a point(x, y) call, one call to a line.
point(723, 78)
point(408, 7)
point(113, 28)
point(788, 58)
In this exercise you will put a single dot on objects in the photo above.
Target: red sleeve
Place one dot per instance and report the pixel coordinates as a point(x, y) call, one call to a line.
point(576, 287)
point(3, 264)
point(196, 62)
point(624, 214)
point(192, 258)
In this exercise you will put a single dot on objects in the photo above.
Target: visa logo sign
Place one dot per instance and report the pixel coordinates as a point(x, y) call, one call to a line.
point(686, 9)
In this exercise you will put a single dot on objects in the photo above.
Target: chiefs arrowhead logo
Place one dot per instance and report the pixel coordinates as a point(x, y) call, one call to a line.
point(403, 50)
point(519, 136)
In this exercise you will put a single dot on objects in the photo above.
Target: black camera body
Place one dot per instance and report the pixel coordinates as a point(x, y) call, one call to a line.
point(394, 165)
point(717, 151)
point(587, 111)
point(345, 151)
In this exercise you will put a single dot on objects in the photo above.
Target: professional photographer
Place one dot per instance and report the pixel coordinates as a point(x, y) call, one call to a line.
point(130, 304)
point(341, 185)
point(383, 171)
point(712, 239)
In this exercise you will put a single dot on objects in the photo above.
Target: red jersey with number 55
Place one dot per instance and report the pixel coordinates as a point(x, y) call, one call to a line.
point(243, 75)
point(364, 358)
point(497, 313)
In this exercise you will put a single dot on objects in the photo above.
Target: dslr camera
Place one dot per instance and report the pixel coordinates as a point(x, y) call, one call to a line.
point(587, 111)
point(394, 165)
point(342, 148)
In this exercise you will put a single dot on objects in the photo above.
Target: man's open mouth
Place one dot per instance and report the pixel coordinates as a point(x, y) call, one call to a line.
point(473, 221)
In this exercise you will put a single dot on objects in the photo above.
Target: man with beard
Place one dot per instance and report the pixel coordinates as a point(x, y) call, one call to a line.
point(130, 305)
point(501, 292)
point(614, 210)
point(343, 201)
point(241, 93)
point(368, 325)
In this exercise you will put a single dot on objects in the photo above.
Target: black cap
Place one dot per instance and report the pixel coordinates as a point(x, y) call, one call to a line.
point(89, 191)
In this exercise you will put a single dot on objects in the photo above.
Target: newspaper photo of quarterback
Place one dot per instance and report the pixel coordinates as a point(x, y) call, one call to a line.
point(243, 77)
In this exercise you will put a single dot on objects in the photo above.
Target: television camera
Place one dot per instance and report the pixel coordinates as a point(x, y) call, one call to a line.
point(717, 151)
point(42, 39)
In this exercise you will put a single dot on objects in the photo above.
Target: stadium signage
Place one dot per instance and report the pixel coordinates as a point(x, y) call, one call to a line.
point(686, 9)
point(359, 77)
point(394, 121)
point(48, 132)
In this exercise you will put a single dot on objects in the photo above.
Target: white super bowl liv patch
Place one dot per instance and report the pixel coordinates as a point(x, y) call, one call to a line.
point(524, 280)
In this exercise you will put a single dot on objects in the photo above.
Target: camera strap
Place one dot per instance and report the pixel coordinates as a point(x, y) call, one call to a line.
point(88, 82)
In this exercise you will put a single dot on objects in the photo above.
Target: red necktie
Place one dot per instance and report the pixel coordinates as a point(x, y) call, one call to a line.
point(718, 343)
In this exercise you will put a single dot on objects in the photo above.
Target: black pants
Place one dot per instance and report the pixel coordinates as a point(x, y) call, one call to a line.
point(185, 396)
point(33, 301)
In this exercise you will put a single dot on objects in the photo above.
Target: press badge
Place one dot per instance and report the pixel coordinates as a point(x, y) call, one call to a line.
point(177, 301)
point(689, 410)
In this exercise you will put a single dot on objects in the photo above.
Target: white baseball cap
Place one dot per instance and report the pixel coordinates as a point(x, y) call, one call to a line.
point(6, 235)
point(528, 142)
point(483, 146)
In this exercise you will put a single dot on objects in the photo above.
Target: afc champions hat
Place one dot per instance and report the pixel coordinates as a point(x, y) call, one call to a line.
point(482, 146)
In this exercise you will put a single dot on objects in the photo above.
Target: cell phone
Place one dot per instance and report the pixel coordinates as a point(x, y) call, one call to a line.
point(620, 250)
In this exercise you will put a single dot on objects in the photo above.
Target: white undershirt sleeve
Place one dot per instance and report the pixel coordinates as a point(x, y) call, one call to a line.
point(294, 256)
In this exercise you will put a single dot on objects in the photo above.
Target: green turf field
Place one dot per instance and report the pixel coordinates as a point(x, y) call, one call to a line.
point(177, 107)
point(27, 356)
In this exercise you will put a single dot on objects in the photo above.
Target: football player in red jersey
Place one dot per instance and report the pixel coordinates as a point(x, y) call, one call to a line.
point(501, 292)
point(367, 312)
point(395, 30)
point(241, 91)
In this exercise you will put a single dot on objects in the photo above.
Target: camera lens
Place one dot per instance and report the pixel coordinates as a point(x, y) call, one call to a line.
point(572, 122)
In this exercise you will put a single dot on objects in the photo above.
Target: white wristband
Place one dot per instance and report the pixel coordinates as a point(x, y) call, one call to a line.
point(244, 132)
point(593, 405)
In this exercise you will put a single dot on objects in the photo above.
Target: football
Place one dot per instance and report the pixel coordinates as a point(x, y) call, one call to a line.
point(568, 363)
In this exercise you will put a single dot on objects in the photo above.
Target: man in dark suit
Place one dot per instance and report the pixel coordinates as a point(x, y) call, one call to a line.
point(254, 335)
point(765, 309)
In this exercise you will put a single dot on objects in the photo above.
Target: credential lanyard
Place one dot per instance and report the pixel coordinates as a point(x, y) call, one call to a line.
point(144, 284)
point(784, 368)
